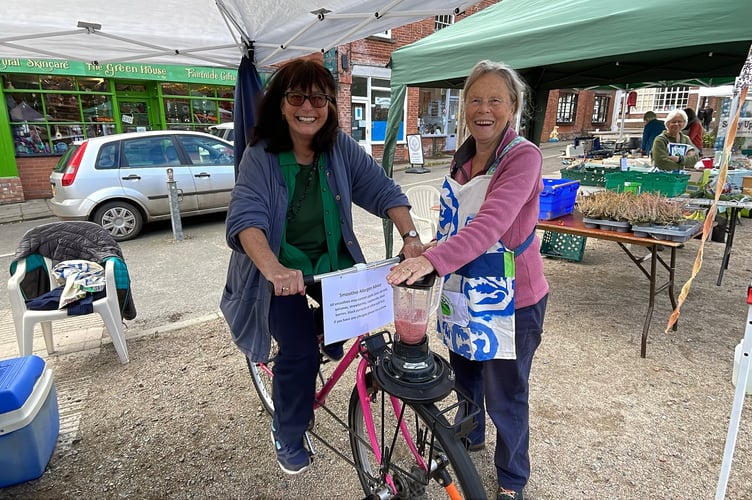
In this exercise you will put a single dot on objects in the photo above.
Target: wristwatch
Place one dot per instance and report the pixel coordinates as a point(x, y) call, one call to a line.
point(410, 234)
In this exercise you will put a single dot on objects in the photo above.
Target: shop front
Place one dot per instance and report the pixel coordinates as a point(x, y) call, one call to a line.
point(47, 105)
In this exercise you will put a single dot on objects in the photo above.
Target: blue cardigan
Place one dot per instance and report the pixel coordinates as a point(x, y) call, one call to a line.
point(259, 200)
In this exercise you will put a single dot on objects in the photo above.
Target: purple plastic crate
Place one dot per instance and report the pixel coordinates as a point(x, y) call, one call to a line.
point(557, 198)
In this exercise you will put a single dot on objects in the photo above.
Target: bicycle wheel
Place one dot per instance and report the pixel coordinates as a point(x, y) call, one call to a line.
point(436, 444)
point(261, 375)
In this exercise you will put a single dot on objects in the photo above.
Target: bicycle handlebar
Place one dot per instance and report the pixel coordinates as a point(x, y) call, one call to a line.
point(310, 279)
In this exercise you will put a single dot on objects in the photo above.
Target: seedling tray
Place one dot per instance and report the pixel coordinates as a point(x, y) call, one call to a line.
point(607, 225)
point(679, 232)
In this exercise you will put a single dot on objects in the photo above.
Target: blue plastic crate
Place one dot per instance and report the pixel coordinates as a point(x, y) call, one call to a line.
point(557, 198)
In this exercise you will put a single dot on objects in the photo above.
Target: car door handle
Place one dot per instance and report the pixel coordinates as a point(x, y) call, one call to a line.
point(132, 177)
point(202, 174)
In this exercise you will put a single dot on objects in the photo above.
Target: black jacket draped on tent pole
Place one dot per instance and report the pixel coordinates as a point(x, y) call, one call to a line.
point(247, 93)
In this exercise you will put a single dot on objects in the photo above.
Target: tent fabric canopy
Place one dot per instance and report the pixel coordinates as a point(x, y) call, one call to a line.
point(199, 32)
point(580, 44)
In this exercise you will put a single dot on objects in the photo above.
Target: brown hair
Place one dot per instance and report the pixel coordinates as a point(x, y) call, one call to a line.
point(303, 75)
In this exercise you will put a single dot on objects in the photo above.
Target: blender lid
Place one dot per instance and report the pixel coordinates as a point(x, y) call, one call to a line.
point(424, 283)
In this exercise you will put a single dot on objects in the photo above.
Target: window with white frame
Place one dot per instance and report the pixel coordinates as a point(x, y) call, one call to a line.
point(566, 110)
point(384, 34)
point(371, 88)
point(600, 108)
point(663, 98)
point(441, 22)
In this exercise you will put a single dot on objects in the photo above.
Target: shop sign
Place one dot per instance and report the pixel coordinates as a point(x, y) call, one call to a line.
point(130, 71)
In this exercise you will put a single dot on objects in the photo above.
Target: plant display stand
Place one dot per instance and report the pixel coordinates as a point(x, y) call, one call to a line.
point(563, 246)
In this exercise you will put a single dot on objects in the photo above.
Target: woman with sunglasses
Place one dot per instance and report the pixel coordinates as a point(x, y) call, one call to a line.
point(289, 216)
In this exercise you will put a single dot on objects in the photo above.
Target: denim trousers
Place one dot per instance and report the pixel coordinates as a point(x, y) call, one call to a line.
point(503, 385)
point(294, 327)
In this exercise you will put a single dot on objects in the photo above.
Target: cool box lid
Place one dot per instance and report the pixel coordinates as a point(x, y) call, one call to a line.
point(17, 379)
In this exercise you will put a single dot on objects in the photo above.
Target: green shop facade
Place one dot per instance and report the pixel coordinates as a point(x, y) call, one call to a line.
point(46, 105)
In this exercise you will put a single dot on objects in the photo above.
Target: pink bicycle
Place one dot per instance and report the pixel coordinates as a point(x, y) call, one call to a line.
point(406, 427)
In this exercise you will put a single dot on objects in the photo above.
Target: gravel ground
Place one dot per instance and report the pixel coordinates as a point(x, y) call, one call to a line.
point(181, 420)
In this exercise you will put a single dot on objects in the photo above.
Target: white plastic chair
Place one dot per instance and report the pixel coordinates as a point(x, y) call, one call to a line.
point(425, 202)
point(25, 319)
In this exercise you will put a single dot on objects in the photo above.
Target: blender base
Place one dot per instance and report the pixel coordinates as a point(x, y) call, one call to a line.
point(414, 373)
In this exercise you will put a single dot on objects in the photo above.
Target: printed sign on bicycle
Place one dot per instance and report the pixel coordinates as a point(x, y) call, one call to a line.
point(356, 303)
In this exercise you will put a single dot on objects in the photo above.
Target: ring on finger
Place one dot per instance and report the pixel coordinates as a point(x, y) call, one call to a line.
point(284, 288)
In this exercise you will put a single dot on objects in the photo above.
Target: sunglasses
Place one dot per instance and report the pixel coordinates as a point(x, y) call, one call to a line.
point(316, 100)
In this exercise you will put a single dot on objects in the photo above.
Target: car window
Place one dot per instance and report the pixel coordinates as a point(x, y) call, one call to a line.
point(62, 163)
point(207, 151)
point(109, 156)
point(154, 151)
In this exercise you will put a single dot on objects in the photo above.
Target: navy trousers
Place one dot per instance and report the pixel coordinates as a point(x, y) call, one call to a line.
point(503, 383)
point(293, 326)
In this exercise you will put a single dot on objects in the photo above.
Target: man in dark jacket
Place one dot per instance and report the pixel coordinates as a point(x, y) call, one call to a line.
point(653, 128)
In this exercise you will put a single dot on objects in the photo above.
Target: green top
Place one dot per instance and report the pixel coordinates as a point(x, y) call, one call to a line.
point(660, 155)
point(312, 240)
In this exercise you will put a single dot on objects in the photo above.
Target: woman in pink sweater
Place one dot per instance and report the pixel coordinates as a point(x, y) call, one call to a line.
point(495, 293)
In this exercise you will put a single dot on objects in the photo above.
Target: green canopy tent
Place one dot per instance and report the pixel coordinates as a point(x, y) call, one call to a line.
point(578, 44)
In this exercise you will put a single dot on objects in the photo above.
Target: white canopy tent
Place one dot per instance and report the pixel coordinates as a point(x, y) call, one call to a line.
point(198, 32)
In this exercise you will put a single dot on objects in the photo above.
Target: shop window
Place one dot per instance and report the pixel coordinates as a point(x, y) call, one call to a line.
point(359, 86)
point(437, 112)
point(21, 81)
point(371, 100)
point(97, 108)
point(600, 108)
point(93, 85)
point(47, 113)
point(63, 107)
point(132, 88)
point(58, 83)
point(175, 88)
point(566, 110)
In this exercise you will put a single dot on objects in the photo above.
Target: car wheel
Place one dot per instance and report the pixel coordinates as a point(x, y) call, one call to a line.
point(121, 219)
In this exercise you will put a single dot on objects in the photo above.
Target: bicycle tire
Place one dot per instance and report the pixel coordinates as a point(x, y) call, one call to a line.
point(408, 478)
point(261, 376)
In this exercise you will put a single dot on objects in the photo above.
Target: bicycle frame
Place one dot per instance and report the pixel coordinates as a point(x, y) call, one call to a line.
point(360, 380)
point(370, 347)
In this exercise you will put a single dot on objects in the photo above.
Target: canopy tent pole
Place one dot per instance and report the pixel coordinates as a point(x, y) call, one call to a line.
point(393, 119)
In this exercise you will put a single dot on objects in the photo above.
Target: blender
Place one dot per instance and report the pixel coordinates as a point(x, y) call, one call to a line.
point(410, 370)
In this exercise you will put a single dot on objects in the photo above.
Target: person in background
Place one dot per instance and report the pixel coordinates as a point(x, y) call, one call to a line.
point(694, 129)
point(290, 215)
point(653, 127)
point(707, 118)
point(662, 156)
point(495, 293)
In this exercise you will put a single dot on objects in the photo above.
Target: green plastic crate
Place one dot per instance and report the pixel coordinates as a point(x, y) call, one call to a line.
point(563, 246)
point(588, 175)
point(665, 183)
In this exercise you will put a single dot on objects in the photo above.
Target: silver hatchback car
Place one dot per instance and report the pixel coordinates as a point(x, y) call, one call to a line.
point(120, 181)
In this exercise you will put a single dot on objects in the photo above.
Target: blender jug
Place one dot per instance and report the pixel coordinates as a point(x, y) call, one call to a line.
point(413, 304)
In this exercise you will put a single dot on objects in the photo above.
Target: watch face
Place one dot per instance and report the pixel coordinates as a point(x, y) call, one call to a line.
point(410, 234)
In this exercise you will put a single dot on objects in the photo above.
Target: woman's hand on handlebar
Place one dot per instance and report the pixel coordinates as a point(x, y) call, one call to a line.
point(409, 271)
point(286, 281)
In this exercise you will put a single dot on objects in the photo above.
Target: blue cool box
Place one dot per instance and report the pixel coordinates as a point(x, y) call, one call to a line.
point(557, 198)
point(29, 420)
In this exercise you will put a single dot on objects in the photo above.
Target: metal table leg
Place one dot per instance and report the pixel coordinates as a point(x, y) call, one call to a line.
point(733, 215)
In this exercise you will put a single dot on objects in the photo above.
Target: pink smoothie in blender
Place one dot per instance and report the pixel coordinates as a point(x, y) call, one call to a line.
point(413, 304)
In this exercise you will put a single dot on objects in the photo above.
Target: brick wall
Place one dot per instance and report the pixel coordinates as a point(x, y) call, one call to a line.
point(34, 172)
point(11, 190)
